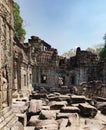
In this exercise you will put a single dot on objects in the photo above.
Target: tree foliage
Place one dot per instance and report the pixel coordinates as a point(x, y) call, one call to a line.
point(70, 53)
point(95, 50)
point(91, 50)
point(18, 22)
point(102, 53)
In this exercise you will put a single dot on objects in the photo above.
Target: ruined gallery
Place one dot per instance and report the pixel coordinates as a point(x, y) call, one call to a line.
point(41, 90)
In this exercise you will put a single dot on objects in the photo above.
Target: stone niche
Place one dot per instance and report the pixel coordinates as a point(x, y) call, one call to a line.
point(7, 118)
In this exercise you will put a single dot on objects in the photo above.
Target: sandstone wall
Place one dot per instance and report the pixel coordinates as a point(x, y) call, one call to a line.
point(7, 118)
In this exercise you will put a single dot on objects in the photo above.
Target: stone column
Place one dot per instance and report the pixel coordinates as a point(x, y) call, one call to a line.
point(0, 69)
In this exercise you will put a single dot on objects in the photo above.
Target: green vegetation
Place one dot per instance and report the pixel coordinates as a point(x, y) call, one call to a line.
point(102, 53)
point(18, 22)
point(70, 53)
point(95, 50)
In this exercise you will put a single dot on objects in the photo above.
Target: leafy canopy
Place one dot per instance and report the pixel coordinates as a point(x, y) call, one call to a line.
point(102, 53)
point(18, 22)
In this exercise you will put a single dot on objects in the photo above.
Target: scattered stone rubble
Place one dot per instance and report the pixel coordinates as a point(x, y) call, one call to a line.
point(47, 111)
point(63, 112)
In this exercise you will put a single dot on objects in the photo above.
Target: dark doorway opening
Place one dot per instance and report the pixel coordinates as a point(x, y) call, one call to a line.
point(43, 78)
point(73, 80)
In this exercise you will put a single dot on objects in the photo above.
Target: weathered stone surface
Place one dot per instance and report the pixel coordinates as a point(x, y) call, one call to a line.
point(45, 107)
point(54, 98)
point(15, 95)
point(104, 128)
point(38, 96)
point(103, 111)
point(22, 118)
point(29, 128)
point(19, 106)
point(47, 114)
point(100, 105)
point(57, 105)
point(43, 90)
point(64, 91)
point(64, 97)
point(89, 100)
point(33, 120)
point(6, 52)
point(35, 106)
point(56, 93)
point(75, 104)
point(69, 109)
point(61, 115)
point(47, 125)
point(10, 121)
point(62, 123)
point(72, 122)
point(100, 99)
point(92, 124)
point(45, 102)
point(17, 126)
point(87, 110)
point(52, 95)
point(77, 99)
point(7, 117)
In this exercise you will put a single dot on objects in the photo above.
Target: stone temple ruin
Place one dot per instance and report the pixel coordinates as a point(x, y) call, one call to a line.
point(37, 84)
point(36, 63)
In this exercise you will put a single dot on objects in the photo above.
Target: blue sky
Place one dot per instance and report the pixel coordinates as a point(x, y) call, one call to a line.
point(65, 24)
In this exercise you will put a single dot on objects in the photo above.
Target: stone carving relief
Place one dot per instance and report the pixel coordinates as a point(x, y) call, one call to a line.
point(4, 86)
point(6, 36)
point(4, 11)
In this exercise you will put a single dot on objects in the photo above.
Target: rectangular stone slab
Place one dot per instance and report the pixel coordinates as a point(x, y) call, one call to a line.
point(87, 110)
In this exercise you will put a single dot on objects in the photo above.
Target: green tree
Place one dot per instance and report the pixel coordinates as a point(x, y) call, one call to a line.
point(91, 50)
point(96, 49)
point(102, 53)
point(18, 22)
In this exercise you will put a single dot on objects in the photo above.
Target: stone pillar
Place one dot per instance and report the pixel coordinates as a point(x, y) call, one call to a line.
point(29, 77)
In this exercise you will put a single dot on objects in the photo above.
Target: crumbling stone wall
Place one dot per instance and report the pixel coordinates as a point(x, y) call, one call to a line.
point(6, 46)
point(7, 118)
point(45, 61)
point(101, 70)
point(22, 67)
point(84, 65)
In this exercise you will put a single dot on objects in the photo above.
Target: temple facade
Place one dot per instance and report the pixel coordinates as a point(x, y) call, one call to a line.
point(45, 69)
point(22, 67)
point(83, 67)
point(39, 65)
